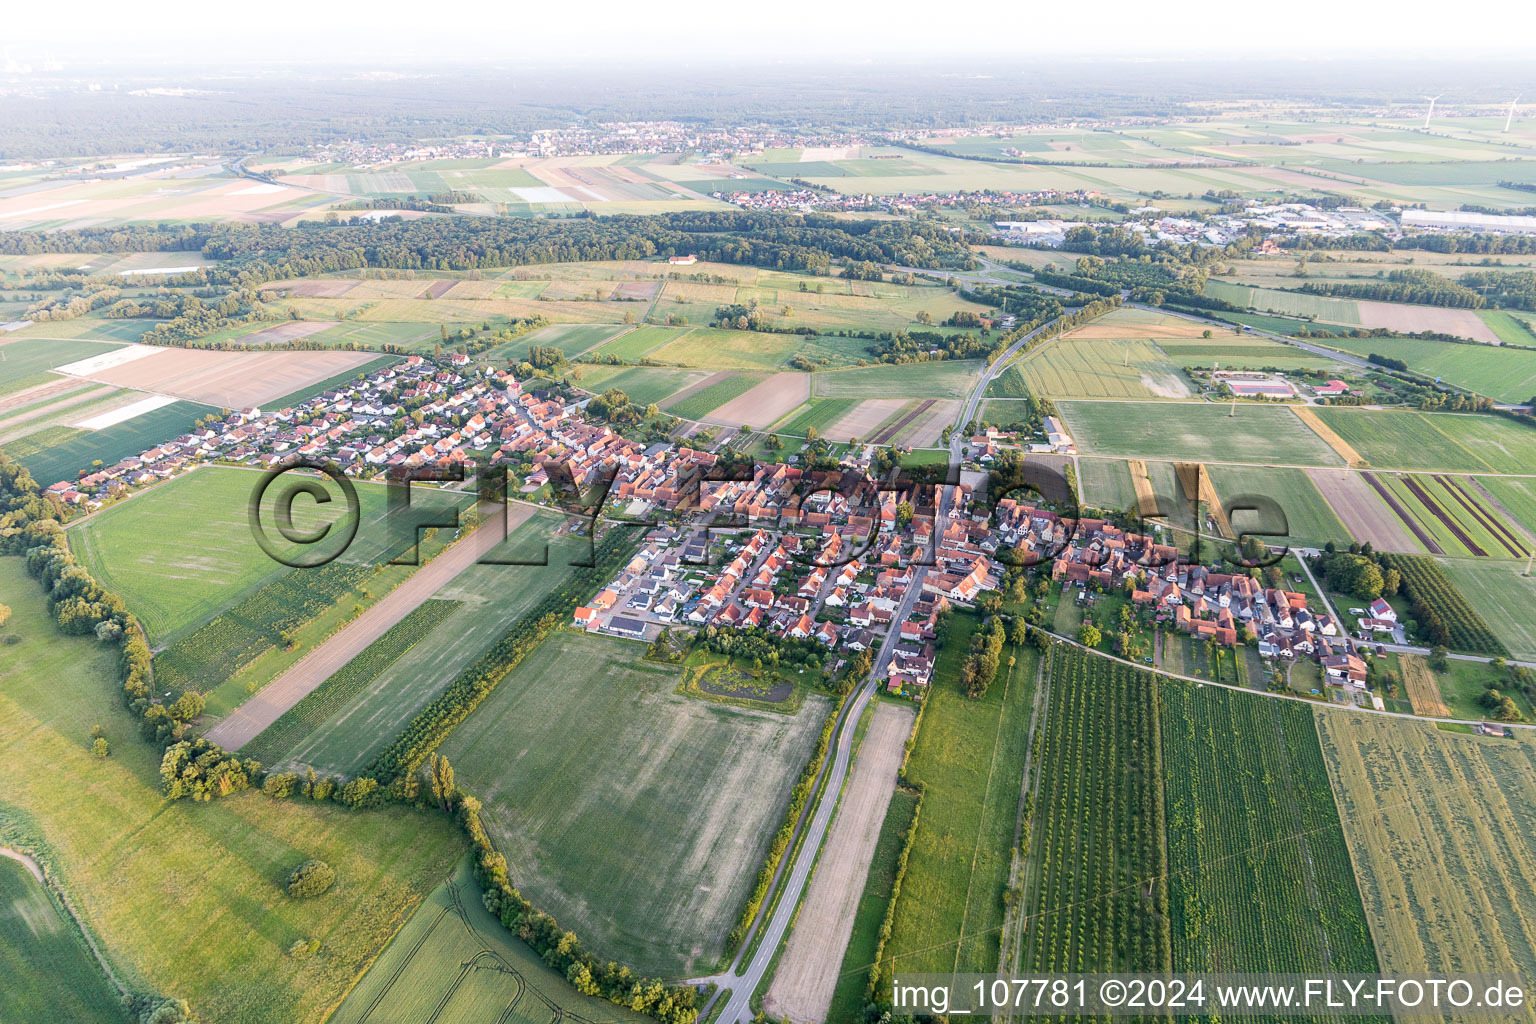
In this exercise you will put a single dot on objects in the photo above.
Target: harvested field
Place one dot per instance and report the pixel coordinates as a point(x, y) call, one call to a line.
point(890, 430)
point(1139, 323)
point(1362, 511)
point(807, 974)
point(112, 417)
point(267, 706)
point(863, 419)
point(290, 331)
point(1443, 840)
point(1423, 691)
point(318, 288)
point(766, 403)
point(232, 380)
point(926, 429)
point(1463, 323)
point(1324, 431)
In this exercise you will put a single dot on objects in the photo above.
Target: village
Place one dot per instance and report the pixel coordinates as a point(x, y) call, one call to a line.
point(801, 554)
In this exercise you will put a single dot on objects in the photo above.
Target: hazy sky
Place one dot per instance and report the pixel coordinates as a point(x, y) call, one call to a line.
point(362, 33)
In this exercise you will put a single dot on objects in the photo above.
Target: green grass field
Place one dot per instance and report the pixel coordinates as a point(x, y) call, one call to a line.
point(181, 551)
point(49, 973)
point(716, 349)
point(184, 898)
point(704, 401)
point(65, 460)
point(969, 755)
point(1511, 329)
point(453, 963)
point(589, 767)
point(643, 384)
point(1504, 597)
point(1516, 495)
point(636, 344)
point(1196, 432)
point(1106, 484)
point(570, 339)
point(1310, 520)
point(949, 378)
point(331, 696)
point(1445, 441)
point(26, 361)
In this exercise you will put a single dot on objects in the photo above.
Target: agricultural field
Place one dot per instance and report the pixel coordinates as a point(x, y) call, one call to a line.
point(1096, 833)
point(1502, 596)
point(1441, 833)
point(1260, 874)
point(1425, 580)
point(817, 414)
point(327, 700)
point(848, 997)
point(1286, 303)
point(637, 343)
point(717, 349)
point(969, 756)
point(184, 192)
point(122, 853)
point(1449, 515)
point(584, 755)
point(1455, 442)
point(25, 362)
point(193, 531)
point(1512, 497)
point(570, 339)
point(1196, 432)
point(1362, 511)
point(1242, 352)
point(1106, 484)
point(1086, 367)
point(69, 456)
point(489, 599)
point(455, 963)
point(643, 384)
point(699, 400)
point(1503, 374)
point(49, 973)
point(949, 378)
point(1310, 520)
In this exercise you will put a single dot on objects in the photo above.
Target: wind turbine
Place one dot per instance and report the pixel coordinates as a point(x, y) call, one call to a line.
point(1431, 112)
point(1511, 115)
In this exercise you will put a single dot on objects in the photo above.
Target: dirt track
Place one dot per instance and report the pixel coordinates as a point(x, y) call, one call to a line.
point(807, 975)
point(247, 721)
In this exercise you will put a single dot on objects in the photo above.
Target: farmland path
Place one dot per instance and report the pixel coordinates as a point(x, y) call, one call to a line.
point(247, 721)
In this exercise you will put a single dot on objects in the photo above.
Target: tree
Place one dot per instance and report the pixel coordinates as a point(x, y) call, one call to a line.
point(1438, 658)
point(1391, 581)
point(100, 747)
point(1088, 635)
point(310, 879)
point(443, 788)
point(188, 706)
point(5, 614)
point(904, 512)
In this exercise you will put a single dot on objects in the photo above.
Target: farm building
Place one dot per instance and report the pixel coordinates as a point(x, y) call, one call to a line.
point(683, 261)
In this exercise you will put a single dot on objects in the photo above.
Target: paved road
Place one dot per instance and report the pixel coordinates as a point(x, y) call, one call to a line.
point(247, 721)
